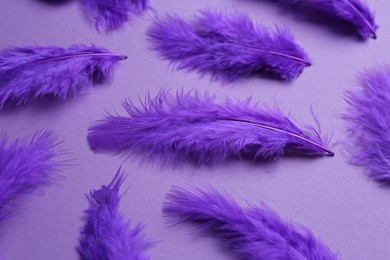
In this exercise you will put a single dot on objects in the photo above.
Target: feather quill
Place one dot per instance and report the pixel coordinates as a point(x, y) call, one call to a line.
point(369, 123)
point(355, 12)
point(110, 15)
point(106, 234)
point(25, 166)
point(195, 126)
point(228, 46)
point(36, 71)
point(253, 233)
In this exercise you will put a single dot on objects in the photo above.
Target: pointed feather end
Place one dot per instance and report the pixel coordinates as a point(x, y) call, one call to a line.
point(122, 57)
point(330, 154)
point(327, 152)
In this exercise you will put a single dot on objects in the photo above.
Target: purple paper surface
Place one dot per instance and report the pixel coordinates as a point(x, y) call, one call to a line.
point(331, 197)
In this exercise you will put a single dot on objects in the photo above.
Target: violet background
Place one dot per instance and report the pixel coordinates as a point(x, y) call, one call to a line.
point(336, 200)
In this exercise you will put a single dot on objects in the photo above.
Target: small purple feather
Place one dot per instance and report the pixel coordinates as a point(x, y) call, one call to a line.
point(368, 120)
point(253, 233)
point(228, 46)
point(106, 234)
point(355, 12)
point(110, 15)
point(25, 166)
point(36, 71)
point(190, 125)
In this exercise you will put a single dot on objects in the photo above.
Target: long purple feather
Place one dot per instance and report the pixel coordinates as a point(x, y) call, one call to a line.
point(106, 234)
point(228, 46)
point(112, 14)
point(36, 71)
point(368, 120)
point(253, 233)
point(196, 126)
point(355, 12)
point(25, 166)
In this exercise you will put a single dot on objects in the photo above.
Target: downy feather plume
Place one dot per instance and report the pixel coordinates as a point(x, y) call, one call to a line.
point(195, 126)
point(25, 165)
point(368, 121)
point(228, 46)
point(36, 71)
point(106, 234)
point(253, 233)
point(110, 15)
point(354, 12)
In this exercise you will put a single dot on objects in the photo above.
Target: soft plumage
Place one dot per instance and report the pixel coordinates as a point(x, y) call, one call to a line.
point(112, 14)
point(25, 165)
point(355, 12)
point(253, 233)
point(36, 71)
point(228, 46)
point(195, 126)
point(368, 121)
point(106, 234)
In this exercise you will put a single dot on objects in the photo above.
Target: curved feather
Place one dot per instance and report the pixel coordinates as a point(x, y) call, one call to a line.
point(36, 71)
point(106, 234)
point(26, 165)
point(228, 46)
point(253, 233)
point(355, 12)
point(110, 15)
point(196, 126)
point(369, 123)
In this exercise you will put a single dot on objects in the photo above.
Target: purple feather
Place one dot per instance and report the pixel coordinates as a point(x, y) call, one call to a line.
point(106, 234)
point(369, 123)
point(25, 166)
point(354, 12)
point(253, 233)
point(110, 15)
point(194, 126)
point(36, 71)
point(228, 46)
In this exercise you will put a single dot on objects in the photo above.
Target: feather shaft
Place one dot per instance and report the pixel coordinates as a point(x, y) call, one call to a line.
point(106, 234)
point(253, 233)
point(195, 126)
point(305, 139)
point(306, 62)
point(86, 54)
point(371, 27)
